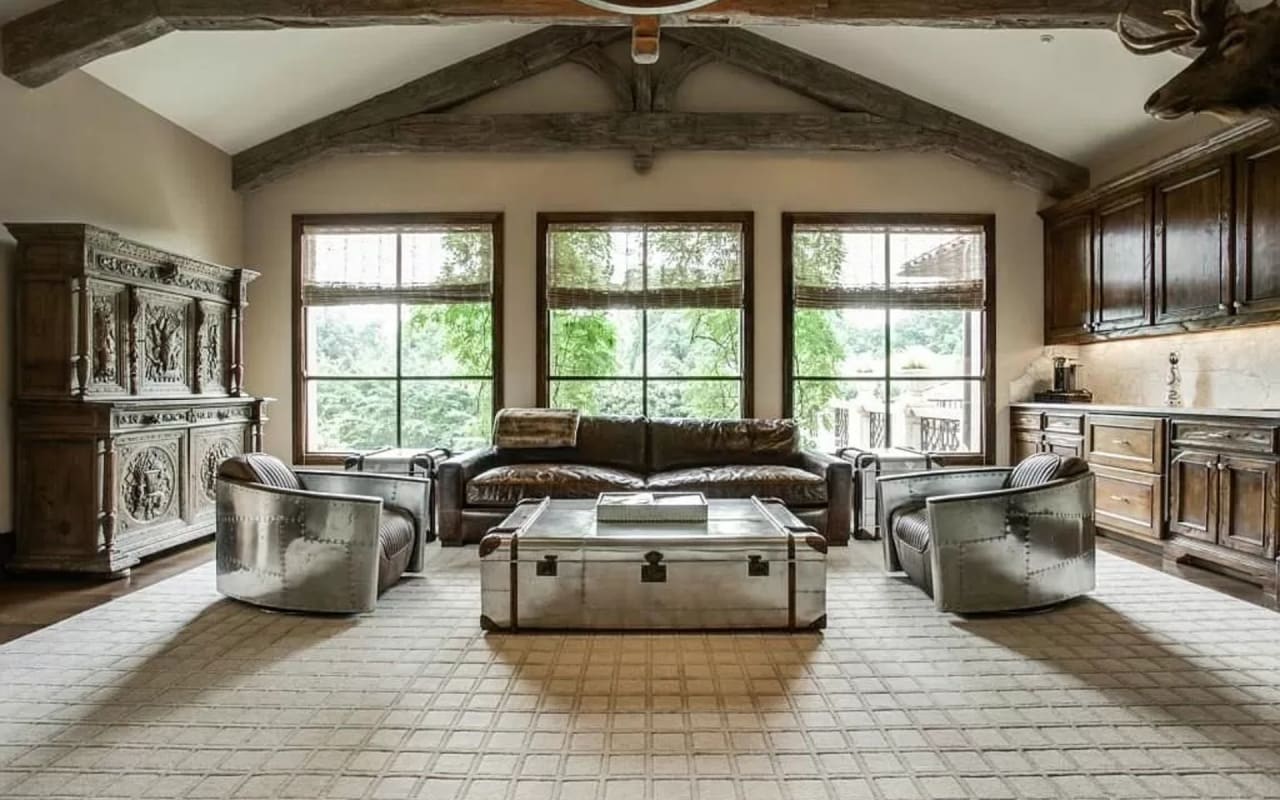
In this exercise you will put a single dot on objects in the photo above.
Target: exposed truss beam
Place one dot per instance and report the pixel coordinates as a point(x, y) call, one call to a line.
point(844, 90)
point(443, 89)
point(39, 47)
point(579, 132)
point(638, 132)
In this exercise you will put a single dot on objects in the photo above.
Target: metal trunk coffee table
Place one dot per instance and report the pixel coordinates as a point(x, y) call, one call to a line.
point(751, 565)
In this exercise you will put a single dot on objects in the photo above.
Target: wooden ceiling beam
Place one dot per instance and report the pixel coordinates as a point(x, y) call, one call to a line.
point(42, 45)
point(844, 90)
point(636, 131)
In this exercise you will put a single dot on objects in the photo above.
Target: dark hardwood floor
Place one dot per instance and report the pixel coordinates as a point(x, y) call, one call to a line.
point(31, 602)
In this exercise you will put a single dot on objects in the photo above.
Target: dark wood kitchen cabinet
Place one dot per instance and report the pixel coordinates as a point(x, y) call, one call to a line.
point(1193, 495)
point(1193, 244)
point(1190, 242)
point(1201, 486)
point(1069, 277)
point(1257, 289)
point(1122, 276)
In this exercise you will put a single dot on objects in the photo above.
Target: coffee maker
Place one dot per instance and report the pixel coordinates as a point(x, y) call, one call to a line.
point(1066, 387)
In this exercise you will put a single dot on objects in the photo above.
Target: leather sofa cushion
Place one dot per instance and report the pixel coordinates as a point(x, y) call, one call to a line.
point(259, 468)
point(791, 485)
point(395, 546)
point(506, 486)
point(677, 443)
point(1043, 468)
point(911, 528)
point(614, 441)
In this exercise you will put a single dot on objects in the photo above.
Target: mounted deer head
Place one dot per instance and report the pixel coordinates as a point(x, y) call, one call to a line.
point(1237, 74)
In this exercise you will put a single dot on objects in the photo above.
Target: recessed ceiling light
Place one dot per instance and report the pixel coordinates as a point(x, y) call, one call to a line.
point(1047, 38)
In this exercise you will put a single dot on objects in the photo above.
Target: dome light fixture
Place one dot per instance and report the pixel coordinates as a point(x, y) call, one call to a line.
point(646, 26)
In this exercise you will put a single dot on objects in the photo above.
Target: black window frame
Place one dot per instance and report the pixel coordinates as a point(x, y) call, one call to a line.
point(746, 374)
point(302, 455)
point(987, 223)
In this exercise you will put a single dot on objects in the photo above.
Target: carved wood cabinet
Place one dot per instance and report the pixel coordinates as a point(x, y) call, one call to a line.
point(1191, 242)
point(129, 393)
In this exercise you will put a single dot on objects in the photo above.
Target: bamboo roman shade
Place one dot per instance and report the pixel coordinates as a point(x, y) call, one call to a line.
point(907, 266)
point(413, 264)
point(626, 265)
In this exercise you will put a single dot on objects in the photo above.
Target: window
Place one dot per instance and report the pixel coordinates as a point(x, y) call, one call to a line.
point(397, 327)
point(888, 335)
point(645, 314)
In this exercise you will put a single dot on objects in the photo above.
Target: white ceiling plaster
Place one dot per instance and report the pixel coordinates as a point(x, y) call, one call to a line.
point(1077, 97)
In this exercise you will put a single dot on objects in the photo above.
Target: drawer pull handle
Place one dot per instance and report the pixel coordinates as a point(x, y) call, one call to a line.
point(1120, 499)
point(1122, 442)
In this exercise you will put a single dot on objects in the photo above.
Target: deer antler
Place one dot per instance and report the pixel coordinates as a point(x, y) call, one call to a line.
point(1187, 30)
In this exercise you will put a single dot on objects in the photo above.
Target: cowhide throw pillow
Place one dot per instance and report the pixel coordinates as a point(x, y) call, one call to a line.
point(528, 428)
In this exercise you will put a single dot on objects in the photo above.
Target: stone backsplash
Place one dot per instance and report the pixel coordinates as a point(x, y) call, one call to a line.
point(1234, 368)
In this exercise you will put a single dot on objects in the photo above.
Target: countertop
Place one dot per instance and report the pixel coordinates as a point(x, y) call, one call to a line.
point(1268, 414)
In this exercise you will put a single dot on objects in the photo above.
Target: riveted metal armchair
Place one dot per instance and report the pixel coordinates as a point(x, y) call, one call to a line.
point(993, 539)
point(314, 540)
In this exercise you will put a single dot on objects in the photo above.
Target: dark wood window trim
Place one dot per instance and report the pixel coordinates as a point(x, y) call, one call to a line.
point(744, 218)
point(300, 221)
point(985, 221)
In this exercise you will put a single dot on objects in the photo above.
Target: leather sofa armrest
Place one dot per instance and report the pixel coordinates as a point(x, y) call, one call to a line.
point(452, 476)
point(839, 476)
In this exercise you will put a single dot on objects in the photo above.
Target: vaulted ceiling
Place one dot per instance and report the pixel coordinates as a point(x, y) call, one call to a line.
point(1078, 96)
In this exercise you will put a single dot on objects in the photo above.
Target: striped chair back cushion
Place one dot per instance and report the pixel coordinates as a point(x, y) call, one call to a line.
point(1044, 467)
point(260, 468)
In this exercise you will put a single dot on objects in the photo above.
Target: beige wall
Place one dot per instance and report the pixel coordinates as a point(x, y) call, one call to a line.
point(76, 151)
point(522, 186)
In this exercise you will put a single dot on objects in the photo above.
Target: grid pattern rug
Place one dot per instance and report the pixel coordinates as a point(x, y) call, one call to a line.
point(1151, 688)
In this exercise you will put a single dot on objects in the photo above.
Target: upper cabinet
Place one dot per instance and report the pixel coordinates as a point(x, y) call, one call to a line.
point(1193, 244)
point(1069, 276)
point(1123, 272)
point(1258, 230)
point(1189, 242)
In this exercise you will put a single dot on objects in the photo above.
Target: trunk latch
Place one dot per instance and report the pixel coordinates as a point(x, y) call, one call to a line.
point(654, 571)
point(757, 567)
point(546, 568)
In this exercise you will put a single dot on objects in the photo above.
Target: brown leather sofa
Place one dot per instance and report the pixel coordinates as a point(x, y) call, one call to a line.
point(720, 458)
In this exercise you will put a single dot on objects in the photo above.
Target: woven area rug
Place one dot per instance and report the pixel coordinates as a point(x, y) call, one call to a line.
point(1152, 688)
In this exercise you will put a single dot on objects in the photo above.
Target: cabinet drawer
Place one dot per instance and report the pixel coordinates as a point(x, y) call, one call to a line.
point(1135, 443)
point(1071, 446)
point(1130, 502)
point(1026, 420)
point(1250, 437)
point(1072, 424)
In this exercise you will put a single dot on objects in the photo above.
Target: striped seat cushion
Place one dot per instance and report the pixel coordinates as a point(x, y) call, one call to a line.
point(1044, 467)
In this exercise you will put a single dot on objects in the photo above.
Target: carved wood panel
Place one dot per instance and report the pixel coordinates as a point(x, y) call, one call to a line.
point(212, 348)
point(150, 480)
point(108, 338)
point(164, 342)
point(209, 448)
